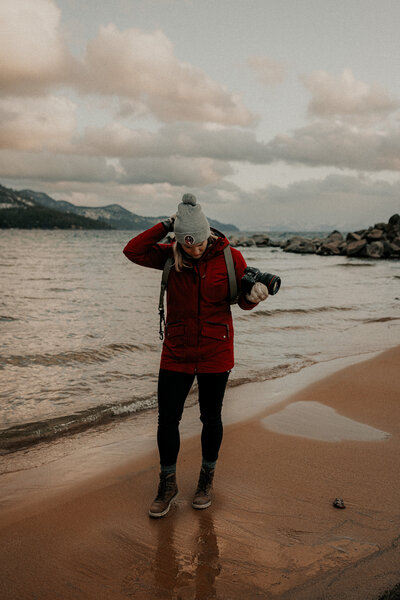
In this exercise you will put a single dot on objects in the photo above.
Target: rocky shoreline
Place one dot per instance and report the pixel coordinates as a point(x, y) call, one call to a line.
point(381, 240)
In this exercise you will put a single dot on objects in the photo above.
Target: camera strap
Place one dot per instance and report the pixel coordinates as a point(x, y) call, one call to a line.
point(230, 267)
point(164, 282)
point(233, 287)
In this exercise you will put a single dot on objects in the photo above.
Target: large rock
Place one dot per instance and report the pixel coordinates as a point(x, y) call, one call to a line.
point(243, 241)
point(276, 243)
point(375, 235)
point(293, 240)
point(248, 242)
point(361, 232)
point(394, 219)
point(395, 250)
point(374, 250)
point(396, 240)
point(353, 237)
point(382, 226)
point(387, 249)
point(301, 246)
point(329, 249)
point(334, 236)
point(260, 239)
point(355, 248)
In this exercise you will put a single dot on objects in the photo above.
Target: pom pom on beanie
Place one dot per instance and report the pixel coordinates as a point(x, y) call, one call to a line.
point(191, 225)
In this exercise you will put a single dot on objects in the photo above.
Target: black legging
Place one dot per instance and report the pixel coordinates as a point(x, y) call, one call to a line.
point(173, 388)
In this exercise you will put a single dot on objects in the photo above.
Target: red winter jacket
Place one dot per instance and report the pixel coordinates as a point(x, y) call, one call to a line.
point(199, 331)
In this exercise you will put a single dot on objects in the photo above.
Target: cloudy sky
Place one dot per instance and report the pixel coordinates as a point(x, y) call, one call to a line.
point(275, 113)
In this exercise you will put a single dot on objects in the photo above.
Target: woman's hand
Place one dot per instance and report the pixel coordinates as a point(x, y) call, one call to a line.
point(259, 292)
point(169, 223)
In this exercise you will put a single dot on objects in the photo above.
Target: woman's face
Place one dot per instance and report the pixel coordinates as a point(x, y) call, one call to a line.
point(196, 250)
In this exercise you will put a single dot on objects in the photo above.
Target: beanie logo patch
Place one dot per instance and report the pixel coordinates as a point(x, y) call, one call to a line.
point(189, 240)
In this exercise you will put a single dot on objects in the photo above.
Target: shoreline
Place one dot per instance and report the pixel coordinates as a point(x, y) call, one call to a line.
point(271, 531)
point(49, 469)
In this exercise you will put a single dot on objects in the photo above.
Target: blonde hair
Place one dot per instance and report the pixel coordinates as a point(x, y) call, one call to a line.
point(181, 260)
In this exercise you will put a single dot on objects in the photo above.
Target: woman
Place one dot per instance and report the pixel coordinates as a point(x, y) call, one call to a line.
point(198, 337)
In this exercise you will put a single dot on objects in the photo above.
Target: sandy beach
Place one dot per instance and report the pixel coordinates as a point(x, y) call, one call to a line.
point(271, 532)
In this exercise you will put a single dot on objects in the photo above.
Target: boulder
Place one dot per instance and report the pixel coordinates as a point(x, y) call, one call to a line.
point(353, 237)
point(375, 235)
point(335, 236)
point(317, 241)
point(394, 219)
point(276, 243)
point(382, 226)
point(329, 248)
point(396, 240)
point(240, 241)
point(293, 240)
point(374, 250)
point(260, 239)
point(387, 249)
point(233, 240)
point(301, 246)
point(356, 247)
point(395, 250)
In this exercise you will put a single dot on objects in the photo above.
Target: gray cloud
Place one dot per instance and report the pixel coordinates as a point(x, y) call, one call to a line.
point(134, 65)
point(33, 51)
point(37, 123)
point(174, 171)
point(345, 202)
point(142, 66)
point(49, 167)
point(180, 139)
point(339, 144)
point(345, 95)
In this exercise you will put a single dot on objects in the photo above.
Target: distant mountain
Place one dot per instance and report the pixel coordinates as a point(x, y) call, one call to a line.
point(114, 215)
point(17, 210)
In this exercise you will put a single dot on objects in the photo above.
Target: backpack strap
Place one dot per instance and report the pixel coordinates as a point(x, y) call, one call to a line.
point(164, 282)
point(230, 267)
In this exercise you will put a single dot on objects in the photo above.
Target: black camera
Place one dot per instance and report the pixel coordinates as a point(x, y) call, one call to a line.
point(252, 275)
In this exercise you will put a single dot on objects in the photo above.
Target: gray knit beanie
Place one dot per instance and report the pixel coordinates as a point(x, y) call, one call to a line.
point(191, 225)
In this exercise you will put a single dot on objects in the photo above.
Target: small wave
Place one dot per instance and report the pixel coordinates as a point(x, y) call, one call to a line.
point(28, 434)
point(272, 372)
point(7, 318)
point(84, 356)
point(296, 311)
point(381, 320)
point(354, 265)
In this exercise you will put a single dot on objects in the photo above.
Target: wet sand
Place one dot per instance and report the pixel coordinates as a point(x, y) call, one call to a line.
point(271, 532)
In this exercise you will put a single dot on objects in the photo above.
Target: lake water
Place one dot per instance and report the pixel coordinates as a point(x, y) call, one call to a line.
point(79, 325)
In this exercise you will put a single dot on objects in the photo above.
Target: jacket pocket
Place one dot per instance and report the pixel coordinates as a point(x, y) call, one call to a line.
point(217, 331)
point(175, 332)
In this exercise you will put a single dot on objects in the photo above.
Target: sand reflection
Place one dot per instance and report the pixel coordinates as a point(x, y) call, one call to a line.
point(178, 560)
point(178, 573)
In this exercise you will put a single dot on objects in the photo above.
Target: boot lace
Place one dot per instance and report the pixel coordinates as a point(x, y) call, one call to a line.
point(205, 481)
point(166, 485)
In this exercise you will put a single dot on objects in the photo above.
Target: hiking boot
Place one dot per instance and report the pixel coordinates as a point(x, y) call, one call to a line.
point(167, 491)
point(202, 497)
